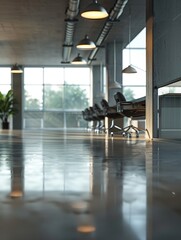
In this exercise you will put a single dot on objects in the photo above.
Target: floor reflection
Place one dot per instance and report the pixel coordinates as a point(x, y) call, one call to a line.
point(84, 186)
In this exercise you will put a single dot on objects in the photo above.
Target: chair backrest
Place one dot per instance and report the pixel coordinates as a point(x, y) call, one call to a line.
point(104, 104)
point(96, 106)
point(86, 111)
point(119, 97)
point(91, 109)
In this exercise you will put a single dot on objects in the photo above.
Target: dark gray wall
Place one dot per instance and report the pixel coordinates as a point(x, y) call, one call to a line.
point(167, 41)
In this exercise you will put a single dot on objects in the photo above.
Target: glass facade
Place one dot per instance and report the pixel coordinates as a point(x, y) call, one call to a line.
point(134, 85)
point(171, 88)
point(55, 97)
point(5, 79)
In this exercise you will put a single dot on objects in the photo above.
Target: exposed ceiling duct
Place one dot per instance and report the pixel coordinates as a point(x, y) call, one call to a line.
point(71, 14)
point(113, 17)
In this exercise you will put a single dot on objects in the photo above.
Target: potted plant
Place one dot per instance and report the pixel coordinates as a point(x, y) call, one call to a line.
point(6, 108)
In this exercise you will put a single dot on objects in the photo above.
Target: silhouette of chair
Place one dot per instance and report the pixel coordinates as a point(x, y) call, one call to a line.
point(88, 116)
point(134, 109)
point(95, 115)
point(111, 113)
point(100, 116)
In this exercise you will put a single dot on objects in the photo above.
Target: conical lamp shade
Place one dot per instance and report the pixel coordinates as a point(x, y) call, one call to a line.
point(86, 44)
point(16, 69)
point(79, 60)
point(129, 69)
point(115, 84)
point(94, 11)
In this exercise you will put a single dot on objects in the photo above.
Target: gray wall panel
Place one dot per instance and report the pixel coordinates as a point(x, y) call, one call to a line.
point(167, 41)
point(170, 116)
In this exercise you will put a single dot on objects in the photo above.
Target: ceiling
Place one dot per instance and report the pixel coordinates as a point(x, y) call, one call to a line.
point(32, 32)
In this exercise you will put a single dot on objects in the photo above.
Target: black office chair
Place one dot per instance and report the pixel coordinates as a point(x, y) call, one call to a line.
point(101, 116)
point(92, 114)
point(87, 115)
point(134, 110)
point(111, 112)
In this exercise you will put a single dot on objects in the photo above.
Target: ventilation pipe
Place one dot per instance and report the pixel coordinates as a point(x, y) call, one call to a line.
point(71, 14)
point(113, 17)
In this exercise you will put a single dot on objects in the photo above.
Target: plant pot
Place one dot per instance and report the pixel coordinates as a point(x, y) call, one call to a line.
point(5, 125)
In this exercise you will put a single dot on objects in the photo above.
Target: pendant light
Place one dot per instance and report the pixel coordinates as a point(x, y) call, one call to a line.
point(16, 69)
point(86, 44)
point(130, 68)
point(79, 60)
point(94, 11)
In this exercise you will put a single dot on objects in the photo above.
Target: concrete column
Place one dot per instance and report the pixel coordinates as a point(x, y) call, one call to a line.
point(98, 86)
point(98, 83)
point(17, 86)
point(114, 68)
point(114, 75)
point(151, 90)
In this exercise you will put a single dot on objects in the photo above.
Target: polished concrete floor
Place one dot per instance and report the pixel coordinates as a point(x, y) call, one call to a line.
point(87, 186)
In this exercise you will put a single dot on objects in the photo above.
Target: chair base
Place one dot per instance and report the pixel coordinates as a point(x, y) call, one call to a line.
point(114, 128)
point(127, 131)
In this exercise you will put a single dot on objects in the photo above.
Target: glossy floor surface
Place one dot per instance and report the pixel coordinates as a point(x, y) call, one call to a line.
point(86, 186)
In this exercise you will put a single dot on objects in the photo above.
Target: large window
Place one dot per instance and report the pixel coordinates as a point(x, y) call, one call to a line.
point(171, 88)
point(5, 83)
point(55, 97)
point(134, 85)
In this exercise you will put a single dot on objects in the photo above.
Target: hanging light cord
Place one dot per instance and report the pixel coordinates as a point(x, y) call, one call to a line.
point(129, 37)
point(115, 62)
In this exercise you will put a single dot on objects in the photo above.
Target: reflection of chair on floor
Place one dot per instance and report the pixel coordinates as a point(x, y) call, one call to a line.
point(134, 109)
point(111, 113)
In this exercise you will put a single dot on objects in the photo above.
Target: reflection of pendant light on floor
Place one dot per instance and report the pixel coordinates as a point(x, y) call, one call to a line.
point(86, 44)
point(94, 11)
point(130, 68)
